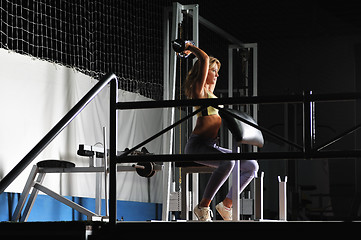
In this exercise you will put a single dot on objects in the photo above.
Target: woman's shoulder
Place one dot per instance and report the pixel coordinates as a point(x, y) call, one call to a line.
point(201, 94)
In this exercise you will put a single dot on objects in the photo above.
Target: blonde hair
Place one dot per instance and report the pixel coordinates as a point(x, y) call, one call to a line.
point(193, 75)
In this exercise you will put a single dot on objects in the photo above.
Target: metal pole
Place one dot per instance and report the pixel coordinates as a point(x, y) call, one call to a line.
point(113, 122)
point(166, 54)
point(168, 114)
point(258, 197)
point(195, 176)
point(340, 136)
point(126, 153)
point(105, 165)
point(244, 156)
point(282, 198)
point(307, 124)
point(239, 101)
point(230, 85)
point(236, 176)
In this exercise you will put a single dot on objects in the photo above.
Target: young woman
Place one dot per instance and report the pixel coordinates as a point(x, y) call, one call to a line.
point(200, 83)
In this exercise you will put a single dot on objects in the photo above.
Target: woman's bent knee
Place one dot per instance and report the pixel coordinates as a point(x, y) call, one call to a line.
point(227, 165)
point(249, 166)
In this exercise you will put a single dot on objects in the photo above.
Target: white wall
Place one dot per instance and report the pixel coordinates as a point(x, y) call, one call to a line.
point(35, 95)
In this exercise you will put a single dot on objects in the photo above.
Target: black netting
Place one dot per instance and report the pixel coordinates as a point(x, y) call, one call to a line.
point(92, 36)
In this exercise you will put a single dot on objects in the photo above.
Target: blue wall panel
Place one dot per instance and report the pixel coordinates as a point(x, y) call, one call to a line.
point(49, 209)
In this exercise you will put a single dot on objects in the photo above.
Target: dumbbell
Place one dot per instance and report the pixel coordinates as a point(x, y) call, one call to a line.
point(179, 46)
point(145, 169)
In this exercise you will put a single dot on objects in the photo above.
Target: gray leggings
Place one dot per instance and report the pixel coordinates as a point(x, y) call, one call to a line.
point(198, 145)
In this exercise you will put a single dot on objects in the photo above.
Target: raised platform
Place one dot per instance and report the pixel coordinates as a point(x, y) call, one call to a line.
point(145, 230)
point(43, 230)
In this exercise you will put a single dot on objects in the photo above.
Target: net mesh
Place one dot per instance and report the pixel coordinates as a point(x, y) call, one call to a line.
point(93, 36)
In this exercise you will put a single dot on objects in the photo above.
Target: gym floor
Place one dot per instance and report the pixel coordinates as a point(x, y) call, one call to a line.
point(99, 230)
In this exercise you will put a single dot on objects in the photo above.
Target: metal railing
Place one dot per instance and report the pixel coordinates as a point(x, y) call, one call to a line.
point(15, 172)
point(306, 151)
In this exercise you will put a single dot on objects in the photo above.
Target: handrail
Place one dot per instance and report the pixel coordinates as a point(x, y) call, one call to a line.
point(307, 151)
point(307, 148)
point(272, 99)
point(344, 154)
point(43, 143)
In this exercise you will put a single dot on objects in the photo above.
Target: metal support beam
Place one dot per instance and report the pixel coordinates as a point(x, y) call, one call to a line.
point(32, 198)
point(64, 200)
point(113, 124)
point(351, 154)
point(258, 197)
point(307, 123)
point(169, 62)
point(276, 99)
point(282, 198)
point(24, 194)
point(236, 182)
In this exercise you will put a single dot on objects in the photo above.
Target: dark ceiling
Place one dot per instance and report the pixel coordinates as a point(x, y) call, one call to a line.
point(260, 20)
point(280, 28)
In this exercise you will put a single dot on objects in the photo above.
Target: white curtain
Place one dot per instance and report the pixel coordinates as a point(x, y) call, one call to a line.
point(36, 94)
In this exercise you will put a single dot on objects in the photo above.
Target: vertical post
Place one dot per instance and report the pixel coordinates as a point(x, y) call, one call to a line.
point(166, 169)
point(282, 196)
point(313, 122)
point(169, 61)
point(113, 129)
point(185, 196)
point(169, 94)
point(166, 52)
point(255, 86)
point(258, 197)
point(195, 176)
point(98, 188)
point(105, 166)
point(236, 175)
point(307, 124)
point(230, 84)
point(195, 10)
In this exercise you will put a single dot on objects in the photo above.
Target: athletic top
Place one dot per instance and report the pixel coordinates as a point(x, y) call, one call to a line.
point(209, 110)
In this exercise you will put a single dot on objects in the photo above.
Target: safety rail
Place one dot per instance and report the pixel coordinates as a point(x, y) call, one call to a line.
point(299, 98)
point(307, 151)
point(46, 140)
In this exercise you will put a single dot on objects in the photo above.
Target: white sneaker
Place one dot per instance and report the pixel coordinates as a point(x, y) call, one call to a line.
point(224, 211)
point(203, 213)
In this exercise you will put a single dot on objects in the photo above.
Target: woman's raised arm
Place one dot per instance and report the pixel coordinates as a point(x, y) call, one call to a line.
point(198, 88)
